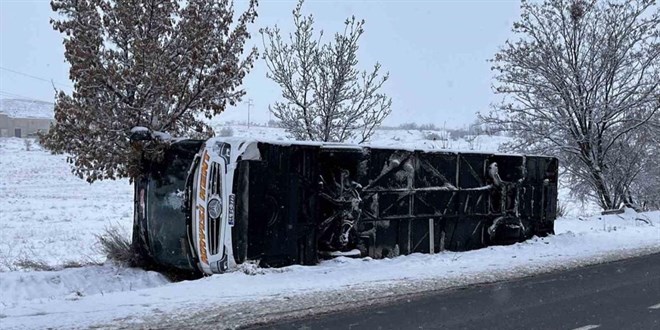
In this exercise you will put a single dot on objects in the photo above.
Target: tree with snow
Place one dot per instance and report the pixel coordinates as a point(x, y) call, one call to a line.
point(325, 96)
point(581, 82)
point(149, 66)
point(642, 150)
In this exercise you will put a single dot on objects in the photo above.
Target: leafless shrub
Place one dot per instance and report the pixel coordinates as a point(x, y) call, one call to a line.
point(472, 135)
point(116, 245)
point(443, 138)
point(562, 209)
point(471, 140)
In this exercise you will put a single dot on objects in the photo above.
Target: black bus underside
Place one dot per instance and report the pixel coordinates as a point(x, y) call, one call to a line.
point(299, 202)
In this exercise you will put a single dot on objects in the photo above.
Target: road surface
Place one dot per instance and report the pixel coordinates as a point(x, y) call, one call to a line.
point(617, 295)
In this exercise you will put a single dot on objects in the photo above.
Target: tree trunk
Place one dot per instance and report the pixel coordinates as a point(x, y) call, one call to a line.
point(605, 200)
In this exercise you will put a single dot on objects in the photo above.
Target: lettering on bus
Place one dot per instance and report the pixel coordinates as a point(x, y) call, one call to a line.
point(202, 234)
point(203, 177)
point(202, 211)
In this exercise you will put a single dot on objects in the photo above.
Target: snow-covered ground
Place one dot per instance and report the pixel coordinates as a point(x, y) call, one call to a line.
point(399, 138)
point(110, 296)
point(49, 217)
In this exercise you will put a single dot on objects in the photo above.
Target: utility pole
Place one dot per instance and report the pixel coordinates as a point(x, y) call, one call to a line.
point(249, 104)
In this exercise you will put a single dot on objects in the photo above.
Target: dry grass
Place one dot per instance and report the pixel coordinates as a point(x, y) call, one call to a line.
point(115, 243)
point(36, 265)
point(25, 263)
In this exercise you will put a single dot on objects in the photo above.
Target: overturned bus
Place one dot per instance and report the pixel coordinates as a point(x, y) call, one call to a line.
point(212, 204)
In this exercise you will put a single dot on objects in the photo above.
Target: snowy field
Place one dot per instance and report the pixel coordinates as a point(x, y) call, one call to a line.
point(47, 215)
point(398, 138)
point(49, 218)
point(18, 108)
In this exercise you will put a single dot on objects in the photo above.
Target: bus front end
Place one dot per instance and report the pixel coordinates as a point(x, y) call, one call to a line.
point(211, 208)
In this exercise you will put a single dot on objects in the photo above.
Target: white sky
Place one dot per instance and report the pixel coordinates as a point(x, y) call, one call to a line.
point(436, 52)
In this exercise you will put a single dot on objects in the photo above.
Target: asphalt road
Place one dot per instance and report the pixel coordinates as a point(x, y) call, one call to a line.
point(617, 295)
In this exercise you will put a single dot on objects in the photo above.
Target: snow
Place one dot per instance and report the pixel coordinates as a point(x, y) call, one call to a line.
point(105, 295)
point(74, 282)
point(162, 136)
point(49, 216)
point(17, 108)
point(139, 129)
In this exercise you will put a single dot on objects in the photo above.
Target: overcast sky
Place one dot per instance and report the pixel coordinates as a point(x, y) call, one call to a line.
point(436, 53)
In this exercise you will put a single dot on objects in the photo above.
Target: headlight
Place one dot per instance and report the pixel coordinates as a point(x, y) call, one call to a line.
point(215, 207)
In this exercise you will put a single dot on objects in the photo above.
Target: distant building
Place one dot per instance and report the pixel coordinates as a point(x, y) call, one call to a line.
point(24, 118)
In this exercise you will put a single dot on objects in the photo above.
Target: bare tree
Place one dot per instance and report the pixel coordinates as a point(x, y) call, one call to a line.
point(325, 97)
point(472, 136)
point(581, 82)
point(154, 64)
point(642, 150)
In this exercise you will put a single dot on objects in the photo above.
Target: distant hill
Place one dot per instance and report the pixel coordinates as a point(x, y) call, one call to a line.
point(19, 108)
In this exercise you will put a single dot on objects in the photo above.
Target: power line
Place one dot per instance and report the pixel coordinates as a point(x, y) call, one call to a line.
point(35, 77)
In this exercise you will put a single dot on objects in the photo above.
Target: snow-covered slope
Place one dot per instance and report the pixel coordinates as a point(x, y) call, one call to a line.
point(18, 108)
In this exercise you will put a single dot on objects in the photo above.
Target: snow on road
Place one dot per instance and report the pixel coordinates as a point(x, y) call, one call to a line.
point(47, 215)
